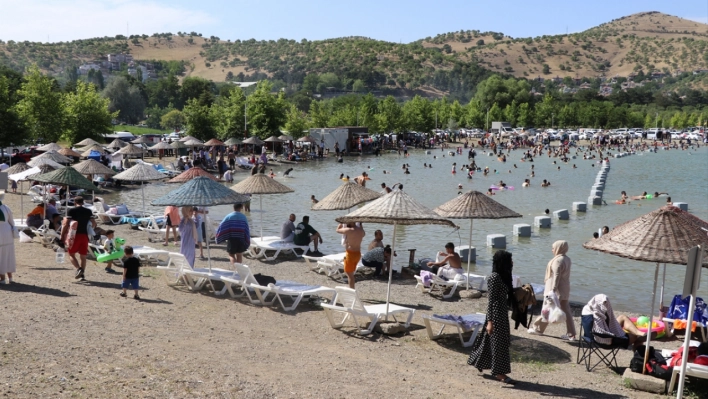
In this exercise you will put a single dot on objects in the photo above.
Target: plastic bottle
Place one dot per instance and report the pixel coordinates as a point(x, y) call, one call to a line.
point(60, 256)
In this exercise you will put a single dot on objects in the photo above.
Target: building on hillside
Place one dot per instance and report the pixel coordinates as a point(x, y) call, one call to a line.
point(120, 58)
point(605, 90)
point(85, 68)
point(243, 84)
point(585, 86)
point(657, 75)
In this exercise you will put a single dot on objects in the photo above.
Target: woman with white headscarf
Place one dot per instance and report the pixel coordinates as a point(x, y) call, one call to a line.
point(7, 242)
point(558, 281)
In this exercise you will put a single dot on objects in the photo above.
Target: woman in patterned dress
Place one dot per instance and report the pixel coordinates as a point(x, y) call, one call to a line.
point(188, 234)
point(491, 348)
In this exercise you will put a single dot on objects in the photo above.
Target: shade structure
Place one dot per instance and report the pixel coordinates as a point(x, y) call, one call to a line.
point(307, 139)
point(117, 143)
point(141, 140)
point(474, 205)
point(86, 151)
point(67, 177)
point(201, 191)
point(41, 169)
point(142, 173)
point(86, 142)
point(162, 145)
point(44, 161)
point(213, 142)
point(54, 156)
point(93, 167)
point(17, 168)
point(131, 149)
point(50, 147)
point(346, 196)
point(193, 143)
point(190, 174)
point(68, 152)
point(254, 141)
point(261, 184)
point(273, 139)
point(187, 138)
point(233, 141)
point(396, 207)
point(662, 236)
point(178, 144)
point(285, 137)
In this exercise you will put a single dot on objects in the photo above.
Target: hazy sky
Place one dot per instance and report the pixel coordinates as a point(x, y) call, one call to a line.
point(405, 21)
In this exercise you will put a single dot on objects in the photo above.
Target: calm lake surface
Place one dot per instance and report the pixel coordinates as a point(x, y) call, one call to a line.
point(683, 174)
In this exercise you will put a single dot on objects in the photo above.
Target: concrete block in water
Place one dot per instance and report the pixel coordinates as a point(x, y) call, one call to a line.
point(542, 221)
point(522, 230)
point(496, 240)
point(594, 200)
point(427, 152)
point(465, 250)
point(561, 214)
point(580, 206)
point(598, 187)
point(682, 206)
point(596, 193)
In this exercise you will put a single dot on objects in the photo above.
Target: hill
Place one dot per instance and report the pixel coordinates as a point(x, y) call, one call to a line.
point(451, 63)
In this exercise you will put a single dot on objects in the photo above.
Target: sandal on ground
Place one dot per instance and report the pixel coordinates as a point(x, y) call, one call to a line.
point(566, 337)
point(506, 380)
point(123, 294)
point(164, 244)
point(136, 297)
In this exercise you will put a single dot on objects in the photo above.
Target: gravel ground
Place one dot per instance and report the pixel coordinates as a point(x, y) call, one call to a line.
point(63, 338)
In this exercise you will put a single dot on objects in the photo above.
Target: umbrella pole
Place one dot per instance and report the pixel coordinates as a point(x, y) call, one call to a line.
point(469, 255)
point(663, 282)
point(142, 188)
point(68, 193)
point(260, 198)
point(22, 205)
point(686, 344)
point(206, 233)
point(651, 318)
point(390, 269)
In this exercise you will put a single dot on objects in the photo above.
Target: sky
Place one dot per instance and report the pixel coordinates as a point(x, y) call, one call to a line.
point(396, 21)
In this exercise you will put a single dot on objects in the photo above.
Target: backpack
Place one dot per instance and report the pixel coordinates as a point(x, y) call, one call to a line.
point(656, 364)
point(263, 279)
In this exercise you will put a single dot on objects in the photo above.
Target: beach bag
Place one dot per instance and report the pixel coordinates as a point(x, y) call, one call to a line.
point(24, 237)
point(263, 279)
point(551, 311)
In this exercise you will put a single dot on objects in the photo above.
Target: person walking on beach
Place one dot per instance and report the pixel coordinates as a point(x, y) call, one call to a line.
point(355, 234)
point(82, 216)
point(131, 273)
point(172, 220)
point(558, 281)
point(491, 348)
point(235, 231)
point(7, 242)
point(188, 234)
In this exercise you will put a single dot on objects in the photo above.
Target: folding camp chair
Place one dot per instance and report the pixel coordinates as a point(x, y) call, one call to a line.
point(587, 346)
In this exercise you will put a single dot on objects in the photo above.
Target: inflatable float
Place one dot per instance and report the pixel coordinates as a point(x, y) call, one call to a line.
point(493, 187)
point(116, 254)
point(658, 326)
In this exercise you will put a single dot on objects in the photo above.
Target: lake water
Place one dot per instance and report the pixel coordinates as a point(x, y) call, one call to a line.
point(628, 283)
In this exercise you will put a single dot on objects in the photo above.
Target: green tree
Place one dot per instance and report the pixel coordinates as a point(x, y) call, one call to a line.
point(174, 120)
point(196, 87)
point(12, 130)
point(545, 111)
point(495, 114)
point(358, 86)
point(154, 116)
point(163, 92)
point(199, 120)
point(328, 80)
point(125, 99)
point(266, 111)
point(296, 122)
point(388, 117)
point(310, 82)
point(41, 107)
point(229, 114)
point(496, 90)
point(526, 116)
point(418, 115)
point(87, 114)
point(319, 114)
point(474, 115)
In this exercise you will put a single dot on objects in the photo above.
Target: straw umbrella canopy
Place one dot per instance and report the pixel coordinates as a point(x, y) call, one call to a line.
point(214, 142)
point(44, 168)
point(17, 168)
point(307, 139)
point(474, 205)
point(253, 140)
point(285, 137)
point(50, 147)
point(86, 142)
point(177, 145)
point(233, 141)
point(187, 138)
point(68, 152)
point(261, 184)
point(201, 191)
point(395, 208)
point(66, 177)
point(44, 161)
point(93, 147)
point(193, 142)
point(346, 196)
point(190, 174)
point(93, 167)
point(54, 156)
point(117, 143)
point(141, 140)
point(142, 173)
point(662, 236)
point(162, 145)
point(131, 149)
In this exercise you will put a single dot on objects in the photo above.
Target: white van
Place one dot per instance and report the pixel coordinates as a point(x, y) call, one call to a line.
point(124, 136)
point(651, 133)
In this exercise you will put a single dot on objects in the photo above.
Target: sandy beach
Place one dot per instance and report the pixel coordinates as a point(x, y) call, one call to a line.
point(63, 338)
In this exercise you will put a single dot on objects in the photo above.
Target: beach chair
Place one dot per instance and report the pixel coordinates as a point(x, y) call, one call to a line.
point(195, 279)
point(172, 271)
point(154, 231)
point(692, 370)
point(111, 218)
point(295, 291)
point(587, 346)
point(258, 248)
point(347, 303)
point(677, 314)
point(45, 235)
point(150, 255)
point(253, 250)
point(471, 323)
point(438, 283)
point(331, 265)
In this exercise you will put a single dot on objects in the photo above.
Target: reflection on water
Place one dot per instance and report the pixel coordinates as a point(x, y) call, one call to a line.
point(627, 282)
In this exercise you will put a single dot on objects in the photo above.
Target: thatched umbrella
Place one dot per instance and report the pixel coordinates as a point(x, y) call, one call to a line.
point(54, 156)
point(50, 147)
point(214, 142)
point(474, 205)
point(93, 167)
point(142, 173)
point(68, 152)
point(187, 138)
point(42, 169)
point(193, 142)
point(44, 161)
point(233, 141)
point(307, 139)
point(141, 140)
point(67, 176)
point(285, 137)
point(132, 149)
point(395, 208)
point(346, 196)
point(86, 142)
point(261, 184)
point(201, 191)
point(17, 168)
point(117, 143)
point(162, 145)
point(662, 236)
point(190, 174)
point(273, 139)
point(93, 147)
point(253, 141)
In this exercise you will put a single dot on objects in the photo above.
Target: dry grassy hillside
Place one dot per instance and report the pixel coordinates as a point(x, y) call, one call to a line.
point(650, 41)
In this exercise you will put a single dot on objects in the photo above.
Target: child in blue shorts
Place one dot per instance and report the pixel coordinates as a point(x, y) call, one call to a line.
point(131, 272)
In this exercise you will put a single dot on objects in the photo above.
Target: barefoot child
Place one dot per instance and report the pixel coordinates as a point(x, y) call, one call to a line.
point(109, 246)
point(131, 273)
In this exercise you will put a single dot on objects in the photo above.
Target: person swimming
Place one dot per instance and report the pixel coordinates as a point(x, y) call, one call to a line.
point(526, 183)
point(545, 183)
point(490, 192)
point(454, 167)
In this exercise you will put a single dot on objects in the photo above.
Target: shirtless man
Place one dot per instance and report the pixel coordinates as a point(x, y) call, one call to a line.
point(453, 261)
point(355, 234)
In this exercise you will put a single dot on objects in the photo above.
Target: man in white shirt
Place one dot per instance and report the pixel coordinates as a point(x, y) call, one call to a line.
point(287, 233)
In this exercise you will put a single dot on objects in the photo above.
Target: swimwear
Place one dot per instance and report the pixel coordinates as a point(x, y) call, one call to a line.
point(351, 260)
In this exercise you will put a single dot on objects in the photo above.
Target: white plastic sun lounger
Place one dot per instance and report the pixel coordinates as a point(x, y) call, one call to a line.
point(277, 246)
point(347, 302)
point(468, 323)
point(253, 250)
point(440, 284)
point(150, 254)
point(331, 265)
point(154, 231)
point(296, 292)
point(194, 278)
